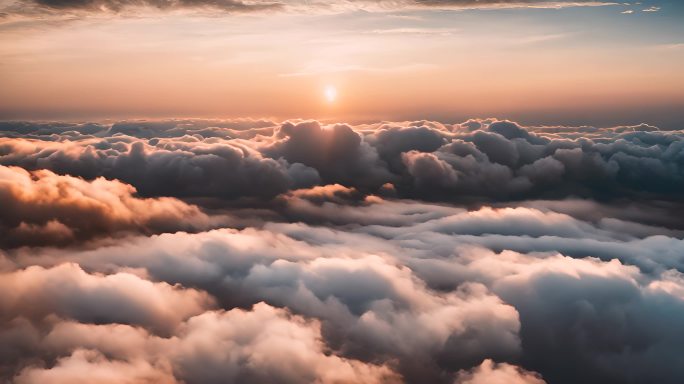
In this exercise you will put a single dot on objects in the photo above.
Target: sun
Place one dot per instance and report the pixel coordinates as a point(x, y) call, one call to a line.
point(330, 93)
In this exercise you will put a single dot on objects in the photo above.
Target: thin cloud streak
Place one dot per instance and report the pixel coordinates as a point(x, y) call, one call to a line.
point(294, 6)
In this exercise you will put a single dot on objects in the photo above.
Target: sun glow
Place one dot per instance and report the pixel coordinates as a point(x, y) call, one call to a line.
point(330, 93)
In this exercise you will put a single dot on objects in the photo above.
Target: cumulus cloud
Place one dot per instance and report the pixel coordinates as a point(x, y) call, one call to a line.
point(184, 166)
point(68, 291)
point(264, 344)
point(491, 160)
point(338, 153)
point(41, 207)
point(492, 373)
point(250, 251)
point(87, 366)
point(422, 291)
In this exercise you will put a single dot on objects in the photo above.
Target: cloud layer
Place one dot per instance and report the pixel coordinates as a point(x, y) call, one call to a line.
point(237, 6)
point(250, 251)
point(41, 207)
point(474, 161)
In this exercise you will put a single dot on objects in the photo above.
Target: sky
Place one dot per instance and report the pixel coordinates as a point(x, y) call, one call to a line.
point(577, 63)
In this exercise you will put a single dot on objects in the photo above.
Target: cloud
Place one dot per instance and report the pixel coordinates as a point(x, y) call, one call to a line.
point(41, 208)
point(68, 291)
point(370, 308)
point(469, 4)
point(338, 153)
point(237, 6)
point(492, 160)
point(502, 160)
point(119, 5)
point(265, 345)
point(237, 346)
point(85, 366)
point(187, 165)
point(249, 251)
point(428, 171)
point(606, 334)
point(490, 372)
point(425, 290)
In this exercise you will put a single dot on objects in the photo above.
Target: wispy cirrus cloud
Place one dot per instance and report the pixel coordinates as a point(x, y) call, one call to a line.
point(255, 6)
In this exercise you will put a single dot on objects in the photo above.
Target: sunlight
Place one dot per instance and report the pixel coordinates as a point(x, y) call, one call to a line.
point(330, 93)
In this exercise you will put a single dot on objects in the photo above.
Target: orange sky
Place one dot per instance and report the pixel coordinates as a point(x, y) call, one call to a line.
point(383, 65)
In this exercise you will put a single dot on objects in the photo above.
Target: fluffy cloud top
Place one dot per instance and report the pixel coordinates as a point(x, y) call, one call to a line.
point(248, 252)
point(264, 344)
point(471, 162)
point(41, 207)
point(492, 373)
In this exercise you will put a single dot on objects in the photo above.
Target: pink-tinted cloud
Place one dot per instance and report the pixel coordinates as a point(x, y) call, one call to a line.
point(41, 207)
point(490, 372)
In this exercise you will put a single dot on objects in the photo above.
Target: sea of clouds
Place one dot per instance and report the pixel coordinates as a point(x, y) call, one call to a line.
point(250, 251)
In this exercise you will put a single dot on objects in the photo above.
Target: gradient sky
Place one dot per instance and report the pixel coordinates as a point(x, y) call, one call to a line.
point(598, 65)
